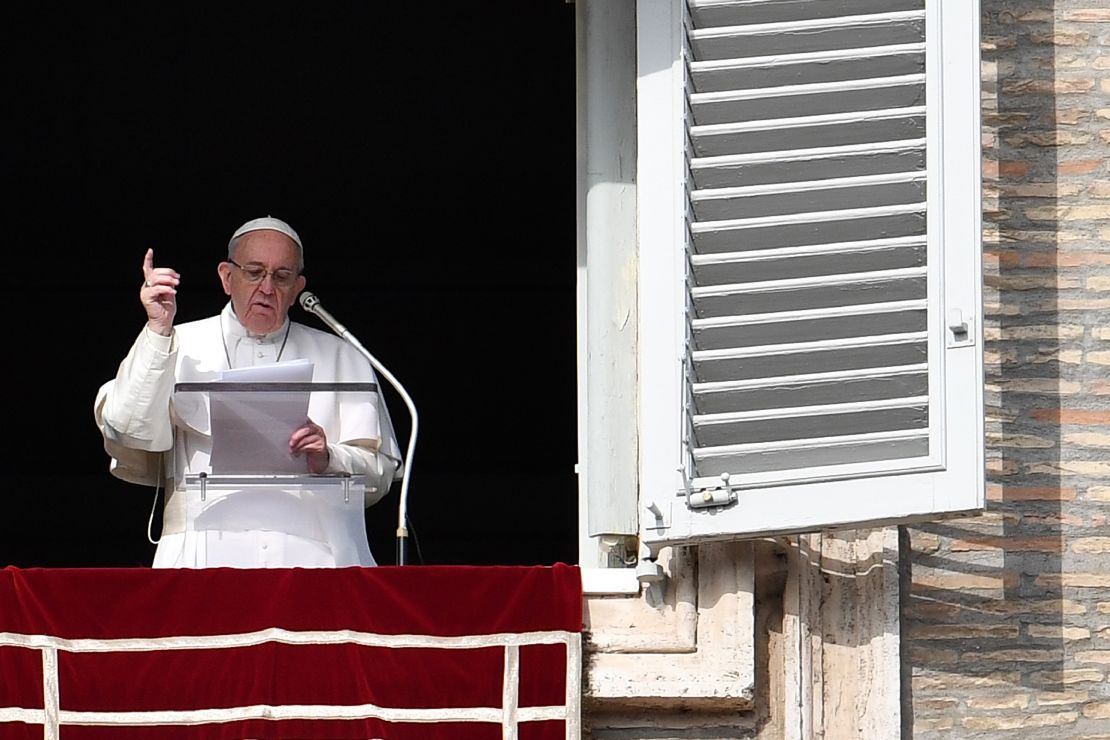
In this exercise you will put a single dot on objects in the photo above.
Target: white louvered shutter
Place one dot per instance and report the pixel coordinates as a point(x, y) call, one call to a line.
point(829, 206)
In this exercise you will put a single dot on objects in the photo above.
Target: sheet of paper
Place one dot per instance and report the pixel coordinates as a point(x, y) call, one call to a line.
point(251, 430)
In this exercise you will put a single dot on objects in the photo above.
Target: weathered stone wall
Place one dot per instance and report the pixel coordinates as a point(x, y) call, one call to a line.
point(1006, 627)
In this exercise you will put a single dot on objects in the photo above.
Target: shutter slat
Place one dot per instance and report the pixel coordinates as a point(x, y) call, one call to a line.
point(789, 69)
point(845, 293)
point(802, 122)
point(726, 204)
point(708, 13)
point(799, 359)
point(807, 164)
point(811, 99)
point(756, 256)
point(853, 129)
point(783, 27)
point(812, 453)
point(808, 155)
point(810, 34)
point(844, 214)
point(792, 413)
point(821, 281)
point(783, 317)
point(854, 343)
point(858, 320)
point(798, 380)
point(810, 228)
point(857, 386)
point(758, 265)
point(766, 425)
point(861, 325)
point(831, 183)
point(807, 57)
point(870, 85)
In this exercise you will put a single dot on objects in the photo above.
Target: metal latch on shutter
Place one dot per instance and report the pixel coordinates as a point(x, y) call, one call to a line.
point(709, 497)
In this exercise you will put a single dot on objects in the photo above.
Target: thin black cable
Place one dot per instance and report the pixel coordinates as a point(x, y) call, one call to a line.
point(415, 540)
point(154, 504)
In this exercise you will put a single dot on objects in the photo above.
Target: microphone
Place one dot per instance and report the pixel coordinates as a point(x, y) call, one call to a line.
point(309, 302)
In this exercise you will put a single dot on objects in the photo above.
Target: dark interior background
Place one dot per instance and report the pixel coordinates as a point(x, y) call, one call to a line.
point(427, 159)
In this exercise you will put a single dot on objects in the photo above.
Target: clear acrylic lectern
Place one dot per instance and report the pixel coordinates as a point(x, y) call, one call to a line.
point(252, 496)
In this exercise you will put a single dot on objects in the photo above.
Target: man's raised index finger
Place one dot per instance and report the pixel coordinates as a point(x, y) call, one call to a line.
point(148, 262)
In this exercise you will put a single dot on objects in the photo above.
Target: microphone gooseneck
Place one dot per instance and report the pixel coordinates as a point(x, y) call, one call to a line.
point(309, 302)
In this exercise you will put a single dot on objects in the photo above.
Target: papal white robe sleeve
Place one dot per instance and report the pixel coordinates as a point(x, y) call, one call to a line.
point(153, 435)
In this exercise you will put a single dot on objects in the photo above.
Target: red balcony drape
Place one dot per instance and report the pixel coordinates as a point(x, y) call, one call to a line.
point(466, 653)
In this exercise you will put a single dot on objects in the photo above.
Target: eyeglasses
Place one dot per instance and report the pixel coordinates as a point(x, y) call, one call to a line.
point(281, 277)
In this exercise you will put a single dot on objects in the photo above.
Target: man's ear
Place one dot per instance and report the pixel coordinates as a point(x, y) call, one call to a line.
point(224, 270)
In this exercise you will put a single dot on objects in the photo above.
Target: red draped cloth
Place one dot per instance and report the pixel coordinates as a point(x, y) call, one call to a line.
point(412, 652)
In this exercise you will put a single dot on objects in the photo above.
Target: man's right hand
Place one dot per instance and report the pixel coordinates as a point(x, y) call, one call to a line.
point(159, 295)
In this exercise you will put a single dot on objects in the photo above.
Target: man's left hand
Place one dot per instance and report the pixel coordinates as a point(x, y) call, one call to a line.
point(311, 441)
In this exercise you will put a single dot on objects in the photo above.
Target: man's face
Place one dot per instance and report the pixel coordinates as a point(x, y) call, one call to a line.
point(262, 306)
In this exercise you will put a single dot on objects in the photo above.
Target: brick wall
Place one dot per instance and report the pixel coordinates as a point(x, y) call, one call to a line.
point(1007, 620)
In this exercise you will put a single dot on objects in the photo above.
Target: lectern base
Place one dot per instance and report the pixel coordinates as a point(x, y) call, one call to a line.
point(265, 522)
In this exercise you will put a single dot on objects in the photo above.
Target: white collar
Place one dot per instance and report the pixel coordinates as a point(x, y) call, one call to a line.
point(235, 330)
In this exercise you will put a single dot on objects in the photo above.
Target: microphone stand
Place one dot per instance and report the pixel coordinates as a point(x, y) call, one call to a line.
point(311, 303)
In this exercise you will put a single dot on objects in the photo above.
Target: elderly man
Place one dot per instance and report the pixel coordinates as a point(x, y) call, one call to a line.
point(157, 436)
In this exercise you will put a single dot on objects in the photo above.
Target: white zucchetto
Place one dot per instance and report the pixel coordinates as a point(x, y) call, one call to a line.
point(266, 223)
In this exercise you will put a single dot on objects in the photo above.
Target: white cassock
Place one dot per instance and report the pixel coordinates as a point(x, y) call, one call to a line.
point(154, 436)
